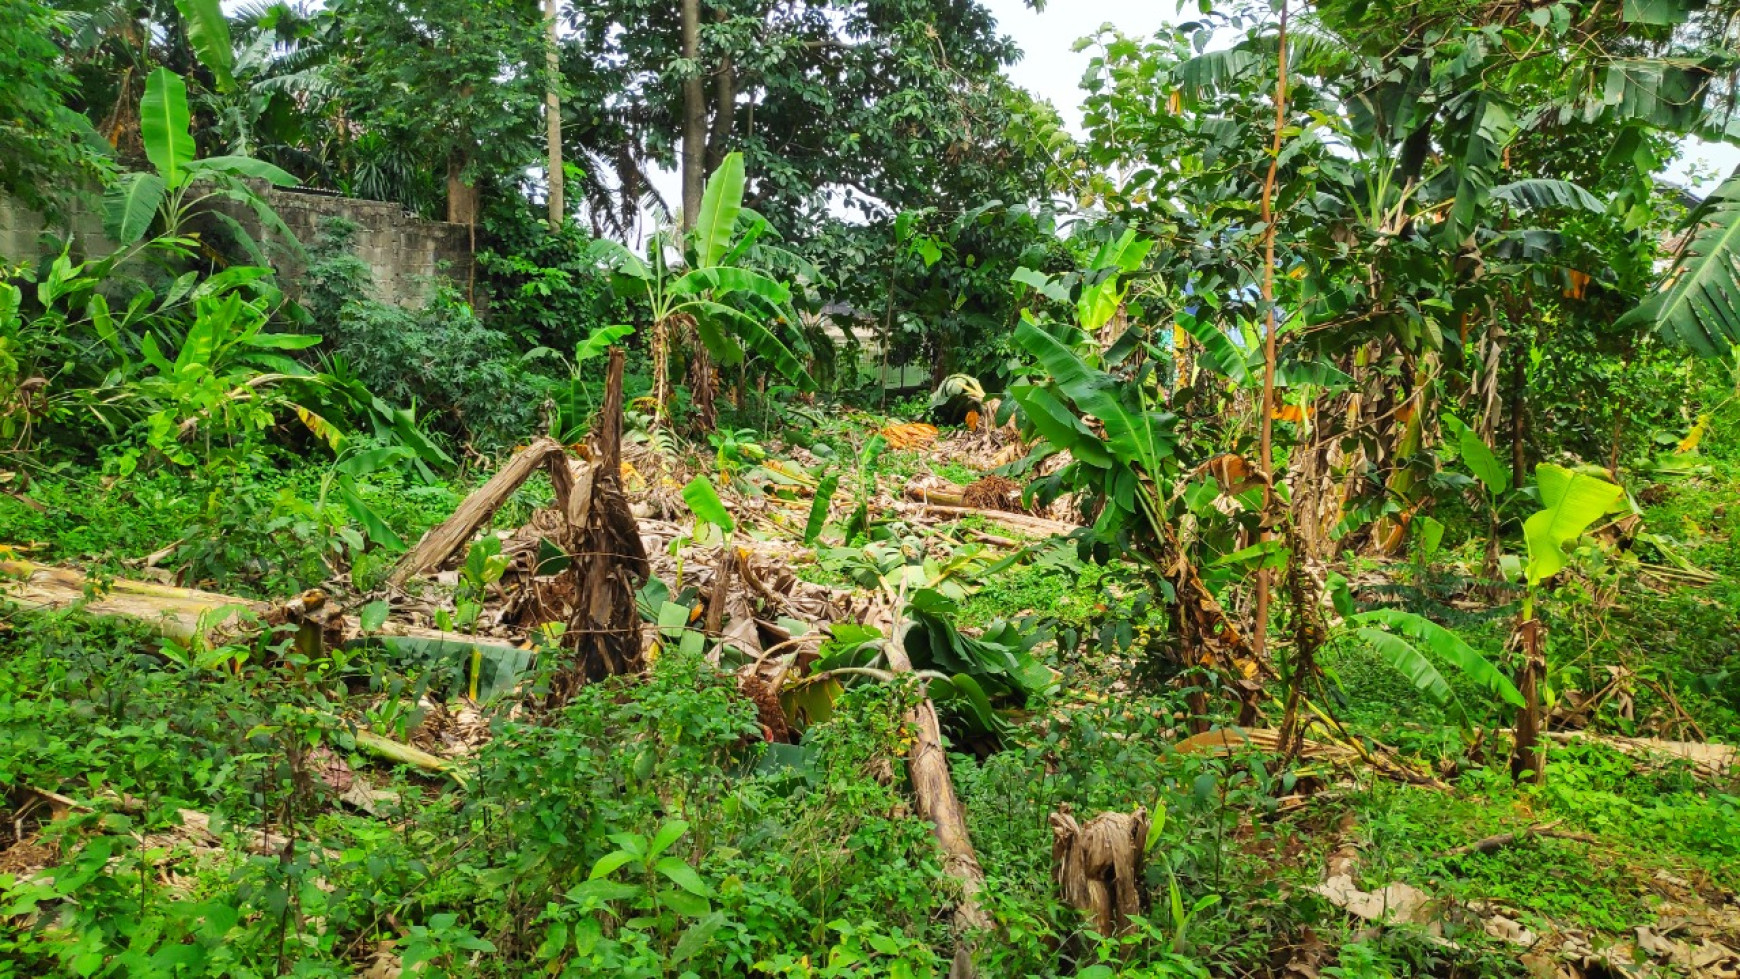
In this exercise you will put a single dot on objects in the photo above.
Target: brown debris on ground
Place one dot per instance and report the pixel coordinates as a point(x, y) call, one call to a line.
point(994, 492)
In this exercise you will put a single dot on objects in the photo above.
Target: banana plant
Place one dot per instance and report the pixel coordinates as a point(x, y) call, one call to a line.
point(1571, 502)
point(1402, 641)
point(1698, 306)
point(1121, 443)
point(179, 182)
point(730, 304)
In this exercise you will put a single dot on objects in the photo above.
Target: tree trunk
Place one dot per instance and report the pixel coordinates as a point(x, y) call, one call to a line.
point(461, 196)
point(553, 117)
point(661, 367)
point(1098, 866)
point(724, 108)
point(1266, 409)
point(694, 117)
point(1527, 760)
point(1518, 415)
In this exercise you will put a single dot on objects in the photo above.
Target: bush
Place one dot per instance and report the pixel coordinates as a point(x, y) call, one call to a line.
point(461, 374)
point(544, 289)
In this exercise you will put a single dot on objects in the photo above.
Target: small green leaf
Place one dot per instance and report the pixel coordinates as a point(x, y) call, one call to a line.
point(373, 615)
point(819, 507)
point(704, 503)
point(610, 863)
point(688, 905)
point(697, 936)
point(681, 874)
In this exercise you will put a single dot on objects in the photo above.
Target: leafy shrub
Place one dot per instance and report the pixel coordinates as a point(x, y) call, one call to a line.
point(544, 290)
point(461, 374)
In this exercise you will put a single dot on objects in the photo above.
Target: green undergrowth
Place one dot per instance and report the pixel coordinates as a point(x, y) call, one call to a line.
point(1625, 828)
point(254, 531)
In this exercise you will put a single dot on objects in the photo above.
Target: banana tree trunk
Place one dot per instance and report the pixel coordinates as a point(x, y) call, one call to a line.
point(1527, 758)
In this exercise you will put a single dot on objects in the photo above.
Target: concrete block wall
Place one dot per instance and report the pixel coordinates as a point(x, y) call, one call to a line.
point(405, 253)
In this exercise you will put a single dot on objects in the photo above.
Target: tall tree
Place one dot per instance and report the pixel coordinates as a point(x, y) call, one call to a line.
point(553, 115)
point(446, 82)
point(872, 104)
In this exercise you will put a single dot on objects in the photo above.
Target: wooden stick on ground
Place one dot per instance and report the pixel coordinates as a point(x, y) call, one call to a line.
point(1014, 521)
point(442, 542)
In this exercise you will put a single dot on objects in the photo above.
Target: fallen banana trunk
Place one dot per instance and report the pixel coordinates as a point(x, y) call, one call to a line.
point(956, 496)
point(188, 614)
point(444, 541)
point(934, 790)
point(1707, 758)
point(175, 613)
point(403, 754)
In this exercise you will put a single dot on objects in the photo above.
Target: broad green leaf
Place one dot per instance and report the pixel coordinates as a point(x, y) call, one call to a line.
point(1402, 657)
point(720, 204)
point(243, 166)
point(598, 341)
point(722, 281)
point(1448, 645)
point(209, 34)
point(1537, 193)
point(1042, 283)
point(1429, 533)
point(283, 341)
point(819, 507)
point(129, 206)
point(163, 125)
point(372, 523)
point(1698, 306)
point(615, 256)
point(704, 502)
point(1135, 437)
point(1571, 501)
point(696, 937)
point(682, 875)
point(1058, 425)
point(1126, 252)
point(1099, 303)
point(757, 337)
point(1223, 355)
point(1478, 457)
point(718, 340)
point(372, 460)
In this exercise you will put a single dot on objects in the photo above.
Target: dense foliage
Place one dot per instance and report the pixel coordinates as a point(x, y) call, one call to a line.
point(1337, 487)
